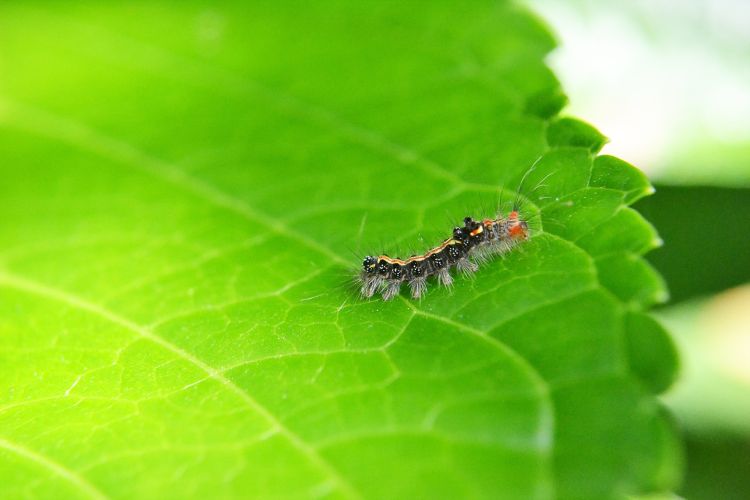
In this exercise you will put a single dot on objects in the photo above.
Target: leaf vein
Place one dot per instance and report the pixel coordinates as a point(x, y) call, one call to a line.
point(82, 304)
point(60, 470)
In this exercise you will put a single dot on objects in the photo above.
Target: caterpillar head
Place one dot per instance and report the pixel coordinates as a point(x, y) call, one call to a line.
point(517, 229)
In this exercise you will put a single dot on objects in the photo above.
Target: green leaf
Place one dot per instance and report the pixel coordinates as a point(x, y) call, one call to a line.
point(181, 185)
point(574, 133)
point(653, 356)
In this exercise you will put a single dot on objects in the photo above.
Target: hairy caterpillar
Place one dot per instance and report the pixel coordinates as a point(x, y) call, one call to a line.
point(473, 244)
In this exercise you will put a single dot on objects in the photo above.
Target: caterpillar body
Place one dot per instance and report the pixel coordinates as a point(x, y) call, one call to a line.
point(468, 247)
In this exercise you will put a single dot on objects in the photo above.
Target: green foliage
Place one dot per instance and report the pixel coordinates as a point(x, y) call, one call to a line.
point(705, 231)
point(179, 190)
point(717, 466)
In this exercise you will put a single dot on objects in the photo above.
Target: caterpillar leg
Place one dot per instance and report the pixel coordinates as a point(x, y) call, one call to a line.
point(466, 267)
point(418, 287)
point(500, 247)
point(444, 277)
point(482, 254)
point(370, 285)
point(391, 289)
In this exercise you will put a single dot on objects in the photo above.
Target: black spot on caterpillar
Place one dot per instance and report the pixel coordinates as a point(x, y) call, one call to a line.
point(468, 247)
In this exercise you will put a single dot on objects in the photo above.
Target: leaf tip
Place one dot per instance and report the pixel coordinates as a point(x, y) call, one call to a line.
point(572, 132)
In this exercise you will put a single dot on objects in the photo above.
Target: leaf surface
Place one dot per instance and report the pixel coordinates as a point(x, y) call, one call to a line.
point(181, 186)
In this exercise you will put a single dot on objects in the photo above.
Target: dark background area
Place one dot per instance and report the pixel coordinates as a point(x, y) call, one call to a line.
point(706, 233)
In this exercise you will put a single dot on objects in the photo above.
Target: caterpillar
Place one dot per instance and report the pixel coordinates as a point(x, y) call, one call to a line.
point(468, 247)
